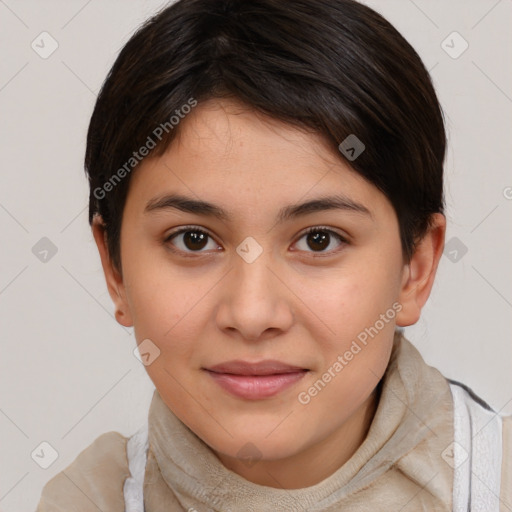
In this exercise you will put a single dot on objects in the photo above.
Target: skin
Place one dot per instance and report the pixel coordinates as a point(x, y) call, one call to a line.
point(295, 303)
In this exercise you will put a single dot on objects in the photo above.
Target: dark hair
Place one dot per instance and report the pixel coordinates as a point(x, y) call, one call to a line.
point(333, 66)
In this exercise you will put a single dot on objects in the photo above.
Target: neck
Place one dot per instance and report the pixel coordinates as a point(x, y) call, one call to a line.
point(318, 461)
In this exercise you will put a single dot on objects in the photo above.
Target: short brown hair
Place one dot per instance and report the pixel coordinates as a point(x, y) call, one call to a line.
point(334, 66)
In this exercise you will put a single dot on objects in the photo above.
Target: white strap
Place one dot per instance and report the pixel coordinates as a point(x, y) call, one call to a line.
point(136, 452)
point(476, 451)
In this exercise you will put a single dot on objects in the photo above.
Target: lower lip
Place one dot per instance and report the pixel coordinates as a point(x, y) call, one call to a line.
point(252, 387)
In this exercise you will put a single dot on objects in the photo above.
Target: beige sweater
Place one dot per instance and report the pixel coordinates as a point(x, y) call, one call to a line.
point(399, 466)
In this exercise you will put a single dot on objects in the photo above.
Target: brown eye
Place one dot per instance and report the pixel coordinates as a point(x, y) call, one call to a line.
point(320, 240)
point(191, 240)
point(195, 240)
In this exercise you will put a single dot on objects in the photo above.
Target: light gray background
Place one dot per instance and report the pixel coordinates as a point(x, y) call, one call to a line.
point(67, 369)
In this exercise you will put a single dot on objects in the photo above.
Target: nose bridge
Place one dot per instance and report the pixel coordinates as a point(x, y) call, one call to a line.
point(252, 264)
point(255, 276)
point(255, 301)
point(254, 283)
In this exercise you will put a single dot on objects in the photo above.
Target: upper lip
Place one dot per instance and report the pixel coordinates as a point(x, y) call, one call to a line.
point(267, 367)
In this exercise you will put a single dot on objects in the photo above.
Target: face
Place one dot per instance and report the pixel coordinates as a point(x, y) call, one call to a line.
point(275, 252)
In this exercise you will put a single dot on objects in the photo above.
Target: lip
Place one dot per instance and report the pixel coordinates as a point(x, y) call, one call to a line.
point(255, 381)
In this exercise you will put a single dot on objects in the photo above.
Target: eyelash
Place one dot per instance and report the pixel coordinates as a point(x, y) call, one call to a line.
point(313, 229)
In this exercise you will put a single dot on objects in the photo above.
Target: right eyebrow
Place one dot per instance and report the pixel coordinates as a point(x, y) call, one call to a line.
point(187, 205)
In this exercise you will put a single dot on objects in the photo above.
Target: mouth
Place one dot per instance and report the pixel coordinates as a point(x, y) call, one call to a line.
point(255, 381)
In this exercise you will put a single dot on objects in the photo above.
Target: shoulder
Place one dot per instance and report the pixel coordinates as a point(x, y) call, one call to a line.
point(496, 437)
point(93, 481)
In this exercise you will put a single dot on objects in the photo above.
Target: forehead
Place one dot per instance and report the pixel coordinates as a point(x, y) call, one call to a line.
point(228, 154)
point(235, 136)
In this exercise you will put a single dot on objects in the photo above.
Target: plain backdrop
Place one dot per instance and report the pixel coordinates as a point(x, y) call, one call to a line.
point(67, 369)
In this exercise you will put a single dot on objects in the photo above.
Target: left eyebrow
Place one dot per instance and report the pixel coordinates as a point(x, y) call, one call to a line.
point(198, 207)
point(337, 202)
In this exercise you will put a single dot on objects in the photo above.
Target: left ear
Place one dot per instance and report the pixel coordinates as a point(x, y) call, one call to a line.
point(419, 273)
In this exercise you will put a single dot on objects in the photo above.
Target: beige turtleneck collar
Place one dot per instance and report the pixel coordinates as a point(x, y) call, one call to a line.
point(398, 467)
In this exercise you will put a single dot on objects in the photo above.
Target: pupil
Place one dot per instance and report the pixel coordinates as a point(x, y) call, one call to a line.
point(318, 240)
point(195, 240)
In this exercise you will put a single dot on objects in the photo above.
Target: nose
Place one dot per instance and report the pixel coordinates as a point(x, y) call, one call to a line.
point(255, 304)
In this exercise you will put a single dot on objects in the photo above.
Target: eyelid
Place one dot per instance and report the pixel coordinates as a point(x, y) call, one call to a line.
point(189, 227)
point(313, 229)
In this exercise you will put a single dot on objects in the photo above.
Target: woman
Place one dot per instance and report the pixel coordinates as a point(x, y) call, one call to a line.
point(267, 200)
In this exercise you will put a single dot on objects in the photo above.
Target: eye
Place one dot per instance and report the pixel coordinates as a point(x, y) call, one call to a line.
point(191, 239)
point(320, 239)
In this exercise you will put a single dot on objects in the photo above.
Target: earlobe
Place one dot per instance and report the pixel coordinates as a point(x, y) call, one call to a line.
point(419, 273)
point(113, 277)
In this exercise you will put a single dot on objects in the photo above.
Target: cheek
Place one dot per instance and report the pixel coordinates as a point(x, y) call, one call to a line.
point(358, 309)
point(162, 301)
point(348, 301)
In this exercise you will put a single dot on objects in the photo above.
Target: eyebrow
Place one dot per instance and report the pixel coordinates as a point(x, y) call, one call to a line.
point(198, 207)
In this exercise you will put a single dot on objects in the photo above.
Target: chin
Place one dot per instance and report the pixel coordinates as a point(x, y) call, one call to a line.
point(253, 445)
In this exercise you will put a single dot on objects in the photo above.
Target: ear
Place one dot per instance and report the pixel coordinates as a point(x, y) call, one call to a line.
point(113, 277)
point(419, 273)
